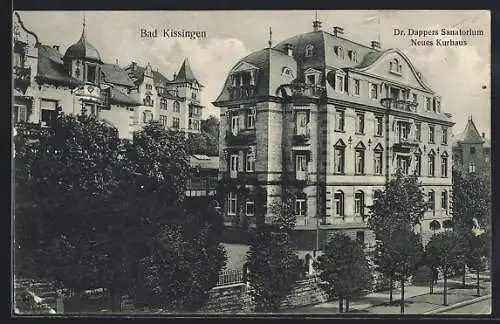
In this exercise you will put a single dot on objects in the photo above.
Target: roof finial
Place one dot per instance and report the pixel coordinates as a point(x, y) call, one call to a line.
point(270, 42)
point(316, 22)
point(84, 23)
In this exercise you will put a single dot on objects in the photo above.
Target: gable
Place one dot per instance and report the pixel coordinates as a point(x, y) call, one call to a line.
point(244, 66)
point(395, 66)
point(311, 71)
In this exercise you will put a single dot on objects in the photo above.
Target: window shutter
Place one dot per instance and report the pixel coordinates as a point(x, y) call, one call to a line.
point(22, 113)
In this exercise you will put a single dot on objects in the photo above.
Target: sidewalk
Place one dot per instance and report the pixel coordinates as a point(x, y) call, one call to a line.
point(417, 299)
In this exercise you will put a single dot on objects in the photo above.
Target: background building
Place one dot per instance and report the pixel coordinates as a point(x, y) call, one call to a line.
point(330, 120)
point(472, 151)
point(45, 80)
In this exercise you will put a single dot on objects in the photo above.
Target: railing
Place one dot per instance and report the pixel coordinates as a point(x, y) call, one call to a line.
point(22, 74)
point(202, 183)
point(302, 134)
point(230, 277)
point(244, 91)
point(400, 104)
point(307, 90)
point(242, 137)
point(302, 221)
point(301, 175)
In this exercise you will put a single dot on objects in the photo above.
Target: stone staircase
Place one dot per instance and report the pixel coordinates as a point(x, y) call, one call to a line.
point(37, 296)
point(306, 292)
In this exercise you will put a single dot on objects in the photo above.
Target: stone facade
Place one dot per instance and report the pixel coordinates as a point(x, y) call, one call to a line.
point(330, 120)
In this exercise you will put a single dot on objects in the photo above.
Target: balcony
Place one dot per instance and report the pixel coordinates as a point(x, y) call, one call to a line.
point(302, 221)
point(22, 77)
point(307, 90)
point(405, 145)
point(241, 92)
point(302, 135)
point(243, 137)
point(301, 176)
point(400, 104)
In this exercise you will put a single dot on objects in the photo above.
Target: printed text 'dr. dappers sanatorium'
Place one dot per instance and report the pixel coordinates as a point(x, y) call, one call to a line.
point(172, 33)
point(438, 37)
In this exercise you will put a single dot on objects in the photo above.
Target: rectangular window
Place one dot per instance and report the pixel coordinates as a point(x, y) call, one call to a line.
point(356, 87)
point(232, 203)
point(338, 198)
point(358, 203)
point(339, 83)
point(91, 73)
point(379, 125)
point(415, 97)
point(472, 150)
point(444, 166)
point(235, 125)
point(251, 118)
point(444, 139)
point(311, 79)
point(360, 123)
point(418, 131)
point(428, 104)
point(444, 201)
point(250, 162)
point(472, 167)
point(301, 123)
point(339, 120)
point(300, 163)
point(20, 114)
point(378, 162)
point(176, 122)
point(339, 160)
point(403, 165)
point(431, 134)
point(431, 166)
point(360, 161)
point(49, 110)
point(249, 207)
point(149, 86)
point(300, 207)
point(163, 120)
point(373, 91)
point(233, 165)
point(418, 164)
point(431, 200)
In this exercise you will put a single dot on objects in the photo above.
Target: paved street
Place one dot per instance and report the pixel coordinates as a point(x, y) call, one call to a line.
point(481, 307)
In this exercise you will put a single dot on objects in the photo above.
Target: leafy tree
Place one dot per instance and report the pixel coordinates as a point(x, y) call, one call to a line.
point(471, 202)
point(424, 276)
point(345, 268)
point(283, 211)
point(96, 206)
point(273, 266)
point(207, 141)
point(211, 126)
point(442, 253)
point(397, 210)
point(475, 255)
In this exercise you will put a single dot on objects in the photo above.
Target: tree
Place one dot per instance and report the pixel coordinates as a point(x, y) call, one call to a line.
point(475, 255)
point(442, 253)
point(471, 206)
point(207, 141)
point(96, 206)
point(283, 211)
point(273, 266)
point(397, 210)
point(211, 126)
point(345, 268)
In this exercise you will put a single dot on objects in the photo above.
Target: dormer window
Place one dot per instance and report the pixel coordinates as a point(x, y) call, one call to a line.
point(353, 56)
point(395, 66)
point(149, 86)
point(340, 52)
point(309, 50)
point(311, 79)
point(287, 71)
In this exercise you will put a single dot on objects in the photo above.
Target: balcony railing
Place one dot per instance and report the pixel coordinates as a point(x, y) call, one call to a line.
point(301, 175)
point(301, 135)
point(243, 92)
point(307, 90)
point(22, 74)
point(405, 144)
point(400, 104)
point(242, 137)
point(302, 221)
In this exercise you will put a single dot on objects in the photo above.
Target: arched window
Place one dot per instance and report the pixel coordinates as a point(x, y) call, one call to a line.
point(338, 198)
point(435, 226)
point(354, 56)
point(340, 52)
point(177, 106)
point(163, 104)
point(309, 50)
point(359, 203)
point(431, 163)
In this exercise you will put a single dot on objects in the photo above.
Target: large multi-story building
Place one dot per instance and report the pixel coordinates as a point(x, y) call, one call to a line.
point(330, 120)
point(472, 151)
point(45, 81)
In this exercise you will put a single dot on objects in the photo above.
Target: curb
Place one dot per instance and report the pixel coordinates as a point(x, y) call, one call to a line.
point(458, 305)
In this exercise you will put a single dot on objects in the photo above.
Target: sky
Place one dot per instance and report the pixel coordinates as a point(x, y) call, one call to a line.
point(460, 74)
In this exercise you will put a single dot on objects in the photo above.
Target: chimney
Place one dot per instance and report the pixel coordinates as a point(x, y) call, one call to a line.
point(56, 47)
point(338, 30)
point(289, 49)
point(375, 44)
point(483, 135)
point(134, 66)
